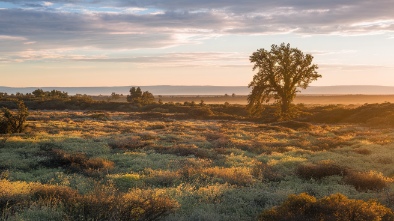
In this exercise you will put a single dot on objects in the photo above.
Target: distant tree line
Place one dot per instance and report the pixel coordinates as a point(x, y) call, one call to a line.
point(49, 94)
point(42, 95)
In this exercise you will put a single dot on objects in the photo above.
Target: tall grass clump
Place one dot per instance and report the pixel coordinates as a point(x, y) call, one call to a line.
point(78, 162)
point(364, 181)
point(103, 202)
point(334, 207)
point(320, 170)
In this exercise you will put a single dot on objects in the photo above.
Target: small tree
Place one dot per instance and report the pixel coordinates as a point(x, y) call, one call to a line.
point(135, 95)
point(138, 97)
point(115, 96)
point(147, 98)
point(14, 123)
point(38, 93)
point(280, 72)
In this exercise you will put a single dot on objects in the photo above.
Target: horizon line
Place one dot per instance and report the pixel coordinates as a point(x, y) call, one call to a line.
point(353, 85)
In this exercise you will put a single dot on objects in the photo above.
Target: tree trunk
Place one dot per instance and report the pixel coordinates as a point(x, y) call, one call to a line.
point(285, 108)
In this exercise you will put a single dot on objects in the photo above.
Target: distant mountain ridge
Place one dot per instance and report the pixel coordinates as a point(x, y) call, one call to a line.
point(206, 90)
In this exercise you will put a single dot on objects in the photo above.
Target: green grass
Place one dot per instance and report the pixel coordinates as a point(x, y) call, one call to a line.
point(197, 169)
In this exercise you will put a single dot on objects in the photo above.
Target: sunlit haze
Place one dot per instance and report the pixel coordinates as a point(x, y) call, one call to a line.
point(169, 42)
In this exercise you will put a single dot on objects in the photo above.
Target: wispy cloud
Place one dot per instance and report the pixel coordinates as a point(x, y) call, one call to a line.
point(355, 67)
point(109, 25)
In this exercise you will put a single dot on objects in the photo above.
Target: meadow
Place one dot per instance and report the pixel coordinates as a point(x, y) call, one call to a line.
point(163, 165)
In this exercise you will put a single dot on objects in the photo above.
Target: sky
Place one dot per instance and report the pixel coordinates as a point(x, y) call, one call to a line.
point(187, 42)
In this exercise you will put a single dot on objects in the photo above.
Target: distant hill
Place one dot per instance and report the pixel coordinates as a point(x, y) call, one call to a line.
point(205, 90)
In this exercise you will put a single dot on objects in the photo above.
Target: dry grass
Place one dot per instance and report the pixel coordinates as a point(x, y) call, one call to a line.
point(320, 170)
point(203, 169)
point(364, 181)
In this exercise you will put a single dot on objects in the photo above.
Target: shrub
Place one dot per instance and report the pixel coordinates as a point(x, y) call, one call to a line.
point(200, 112)
point(235, 175)
point(295, 125)
point(128, 143)
point(162, 177)
point(266, 173)
point(102, 203)
point(125, 182)
point(364, 181)
point(186, 150)
point(47, 194)
point(78, 162)
point(363, 151)
point(334, 207)
point(328, 143)
point(13, 196)
point(96, 166)
point(320, 170)
point(146, 205)
point(100, 116)
point(13, 122)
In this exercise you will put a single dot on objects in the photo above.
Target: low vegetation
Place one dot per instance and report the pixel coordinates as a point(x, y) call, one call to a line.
point(13, 122)
point(167, 162)
point(333, 207)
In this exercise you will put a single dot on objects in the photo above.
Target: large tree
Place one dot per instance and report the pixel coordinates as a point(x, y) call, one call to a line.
point(281, 71)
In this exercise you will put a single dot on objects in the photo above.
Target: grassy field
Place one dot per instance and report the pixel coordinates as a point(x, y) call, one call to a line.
point(72, 165)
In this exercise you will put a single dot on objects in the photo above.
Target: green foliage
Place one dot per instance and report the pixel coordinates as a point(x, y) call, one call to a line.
point(39, 93)
point(186, 150)
point(216, 169)
point(138, 97)
point(114, 96)
point(334, 207)
point(101, 203)
point(14, 122)
point(280, 72)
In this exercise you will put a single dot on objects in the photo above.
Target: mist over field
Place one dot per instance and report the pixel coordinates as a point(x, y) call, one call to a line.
point(207, 90)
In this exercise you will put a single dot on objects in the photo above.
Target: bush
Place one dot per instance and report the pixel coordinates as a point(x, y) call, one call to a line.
point(49, 192)
point(13, 197)
point(320, 170)
point(13, 123)
point(235, 175)
point(364, 181)
point(295, 125)
point(78, 162)
point(162, 178)
point(124, 182)
point(102, 203)
point(146, 205)
point(127, 143)
point(200, 112)
point(334, 207)
point(186, 150)
point(266, 173)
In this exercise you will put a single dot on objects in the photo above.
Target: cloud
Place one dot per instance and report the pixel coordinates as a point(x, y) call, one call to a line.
point(132, 24)
point(355, 67)
point(167, 60)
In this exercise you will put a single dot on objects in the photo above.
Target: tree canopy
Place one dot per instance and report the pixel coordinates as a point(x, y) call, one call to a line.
point(138, 97)
point(281, 72)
